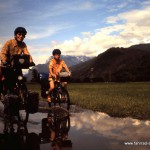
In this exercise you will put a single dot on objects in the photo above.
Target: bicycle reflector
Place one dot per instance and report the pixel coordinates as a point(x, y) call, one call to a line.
point(20, 77)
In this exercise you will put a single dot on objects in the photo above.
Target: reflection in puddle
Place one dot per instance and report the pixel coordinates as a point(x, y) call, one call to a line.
point(95, 130)
point(91, 131)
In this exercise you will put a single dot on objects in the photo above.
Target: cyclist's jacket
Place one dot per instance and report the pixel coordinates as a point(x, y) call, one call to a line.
point(12, 47)
point(57, 66)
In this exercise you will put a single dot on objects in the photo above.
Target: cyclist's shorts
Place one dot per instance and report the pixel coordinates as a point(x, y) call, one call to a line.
point(53, 79)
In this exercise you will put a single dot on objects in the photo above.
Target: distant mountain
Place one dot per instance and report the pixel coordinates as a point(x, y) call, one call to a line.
point(69, 60)
point(115, 64)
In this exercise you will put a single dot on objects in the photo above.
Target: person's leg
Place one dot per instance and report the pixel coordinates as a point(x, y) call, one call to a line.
point(50, 90)
point(64, 84)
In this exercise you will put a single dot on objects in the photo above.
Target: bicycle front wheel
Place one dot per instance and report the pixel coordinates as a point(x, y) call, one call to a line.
point(23, 113)
point(64, 99)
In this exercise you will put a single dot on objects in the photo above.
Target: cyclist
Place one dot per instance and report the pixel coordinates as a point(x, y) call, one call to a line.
point(14, 46)
point(55, 67)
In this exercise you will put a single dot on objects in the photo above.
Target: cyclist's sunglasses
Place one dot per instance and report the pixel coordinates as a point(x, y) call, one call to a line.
point(21, 34)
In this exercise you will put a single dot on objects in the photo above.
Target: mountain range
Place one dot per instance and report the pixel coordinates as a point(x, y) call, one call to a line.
point(69, 60)
point(116, 65)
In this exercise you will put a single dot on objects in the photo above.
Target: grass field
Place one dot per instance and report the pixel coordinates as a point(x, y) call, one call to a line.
point(115, 99)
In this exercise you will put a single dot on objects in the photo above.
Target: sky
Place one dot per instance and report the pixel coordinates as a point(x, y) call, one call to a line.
point(80, 27)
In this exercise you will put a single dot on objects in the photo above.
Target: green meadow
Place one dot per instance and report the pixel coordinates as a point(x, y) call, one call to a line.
point(116, 99)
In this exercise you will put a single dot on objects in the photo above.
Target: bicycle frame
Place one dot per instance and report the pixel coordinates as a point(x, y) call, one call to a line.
point(14, 86)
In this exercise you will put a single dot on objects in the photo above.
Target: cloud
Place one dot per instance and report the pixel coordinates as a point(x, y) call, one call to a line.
point(146, 3)
point(47, 31)
point(117, 7)
point(9, 6)
point(106, 126)
point(76, 27)
point(86, 6)
point(74, 6)
point(125, 29)
point(1, 45)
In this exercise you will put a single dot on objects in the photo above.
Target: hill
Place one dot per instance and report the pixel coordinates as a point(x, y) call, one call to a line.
point(141, 47)
point(115, 64)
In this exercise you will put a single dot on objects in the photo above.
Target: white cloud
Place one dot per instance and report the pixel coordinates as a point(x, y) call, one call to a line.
point(116, 7)
point(146, 3)
point(135, 29)
point(86, 6)
point(124, 29)
point(47, 31)
point(40, 59)
point(1, 45)
point(75, 6)
point(111, 19)
point(105, 125)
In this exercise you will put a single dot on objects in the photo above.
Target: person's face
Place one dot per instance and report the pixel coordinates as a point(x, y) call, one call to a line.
point(20, 37)
point(57, 56)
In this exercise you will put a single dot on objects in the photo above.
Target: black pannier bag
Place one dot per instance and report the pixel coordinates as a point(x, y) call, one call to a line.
point(44, 84)
point(32, 102)
point(20, 61)
point(64, 77)
point(12, 105)
point(44, 91)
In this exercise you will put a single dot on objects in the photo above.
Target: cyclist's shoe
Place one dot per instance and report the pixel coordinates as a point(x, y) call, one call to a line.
point(63, 98)
point(49, 99)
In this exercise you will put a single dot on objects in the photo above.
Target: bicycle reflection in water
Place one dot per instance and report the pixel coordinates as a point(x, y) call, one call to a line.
point(55, 129)
point(18, 138)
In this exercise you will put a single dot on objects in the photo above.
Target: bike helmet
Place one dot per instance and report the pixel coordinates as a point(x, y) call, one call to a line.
point(56, 51)
point(20, 30)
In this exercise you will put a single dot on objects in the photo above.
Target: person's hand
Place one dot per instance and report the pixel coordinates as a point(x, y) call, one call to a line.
point(32, 63)
point(6, 64)
point(69, 73)
point(54, 75)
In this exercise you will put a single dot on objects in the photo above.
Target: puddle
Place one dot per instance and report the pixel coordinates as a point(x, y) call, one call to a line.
point(94, 131)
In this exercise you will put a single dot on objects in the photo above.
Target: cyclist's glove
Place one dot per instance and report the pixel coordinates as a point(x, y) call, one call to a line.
point(69, 73)
point(32, 64)
point(6, 64)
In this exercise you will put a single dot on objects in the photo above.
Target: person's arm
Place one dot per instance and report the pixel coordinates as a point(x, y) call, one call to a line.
point(66, 68)
point(51, 69)
point(4, 52)
point(26, 52)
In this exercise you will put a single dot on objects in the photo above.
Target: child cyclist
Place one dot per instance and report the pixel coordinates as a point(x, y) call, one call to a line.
point(55, 67)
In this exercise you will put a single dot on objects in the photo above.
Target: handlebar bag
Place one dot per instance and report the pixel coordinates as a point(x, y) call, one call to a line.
point(20, 61)
point(64, 76)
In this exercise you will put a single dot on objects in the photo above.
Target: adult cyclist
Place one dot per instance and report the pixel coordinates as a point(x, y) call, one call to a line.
point(14, 46)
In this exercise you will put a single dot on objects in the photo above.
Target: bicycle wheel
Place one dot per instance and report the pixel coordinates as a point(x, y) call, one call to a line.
point(65, 125)
point(54, 97)
point(23, 114)
point(64, 99)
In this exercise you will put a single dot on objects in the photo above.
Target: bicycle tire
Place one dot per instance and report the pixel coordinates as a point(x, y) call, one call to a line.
point(65, 129)
point(23, 117)
point(66, 99)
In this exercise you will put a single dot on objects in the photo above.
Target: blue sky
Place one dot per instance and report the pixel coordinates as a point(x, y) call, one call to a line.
point(81, 27)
